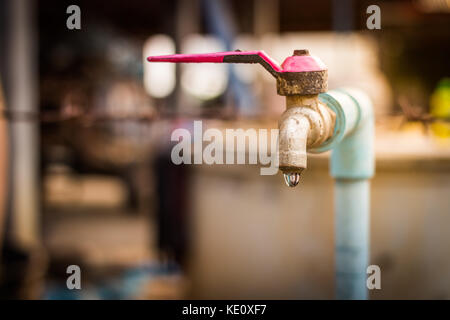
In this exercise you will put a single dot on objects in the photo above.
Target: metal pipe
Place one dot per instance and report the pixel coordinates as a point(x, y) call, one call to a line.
point(21, 95)
point(352, 165)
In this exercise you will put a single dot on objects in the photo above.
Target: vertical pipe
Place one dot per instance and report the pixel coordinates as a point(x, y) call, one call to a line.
point(352, 165)
point(220, 23)
point(4, 166)
point(266, 17)
point(352, 203)
point(22, 96)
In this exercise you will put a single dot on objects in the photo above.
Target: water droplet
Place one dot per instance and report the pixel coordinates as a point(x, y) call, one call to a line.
point(292, 179)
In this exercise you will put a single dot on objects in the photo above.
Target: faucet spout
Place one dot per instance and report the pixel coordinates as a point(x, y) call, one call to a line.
point(305, 124)
point(294, 128)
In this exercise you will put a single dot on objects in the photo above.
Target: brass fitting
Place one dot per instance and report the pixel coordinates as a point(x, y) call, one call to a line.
point(305, 124)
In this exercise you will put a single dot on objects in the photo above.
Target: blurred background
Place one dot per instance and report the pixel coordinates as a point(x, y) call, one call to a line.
point(86, 177)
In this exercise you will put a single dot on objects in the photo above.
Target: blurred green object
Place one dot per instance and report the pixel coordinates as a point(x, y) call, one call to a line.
point(440, 108)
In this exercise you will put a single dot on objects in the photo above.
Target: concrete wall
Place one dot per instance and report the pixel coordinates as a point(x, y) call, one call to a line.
point(253, 237)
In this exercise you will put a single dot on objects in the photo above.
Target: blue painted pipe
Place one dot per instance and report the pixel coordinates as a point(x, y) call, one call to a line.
point(352, 165)
point(352, 214)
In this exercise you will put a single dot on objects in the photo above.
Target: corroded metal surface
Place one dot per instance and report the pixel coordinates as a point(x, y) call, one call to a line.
point(302, 83)
point(292, 140)
point(306, 123)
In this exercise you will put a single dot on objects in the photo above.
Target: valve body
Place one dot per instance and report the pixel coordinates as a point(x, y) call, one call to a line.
point(307, 122)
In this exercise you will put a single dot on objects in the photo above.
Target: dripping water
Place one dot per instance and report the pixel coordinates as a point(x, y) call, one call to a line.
point(292, 179)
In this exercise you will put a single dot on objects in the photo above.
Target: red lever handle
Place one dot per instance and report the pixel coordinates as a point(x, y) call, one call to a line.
point(300, 62)
point(223, 57)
